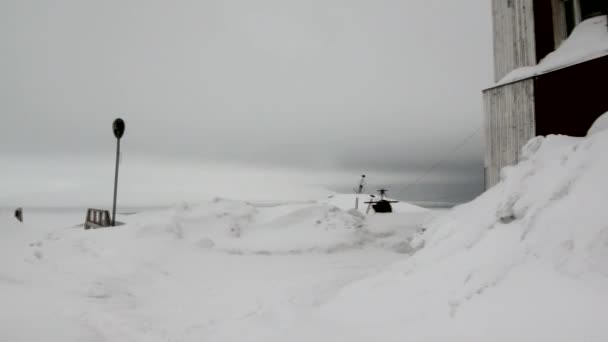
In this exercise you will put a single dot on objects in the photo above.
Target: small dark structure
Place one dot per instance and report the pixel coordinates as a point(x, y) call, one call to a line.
point(359, 190)
point(382, 205)
point(19, 214)
point(97, 218)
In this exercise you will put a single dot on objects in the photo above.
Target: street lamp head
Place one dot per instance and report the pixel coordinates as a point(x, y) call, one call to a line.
point(119, 128)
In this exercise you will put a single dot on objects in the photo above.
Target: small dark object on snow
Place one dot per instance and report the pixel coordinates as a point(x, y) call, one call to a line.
point(383, 206)
point(507, 219)
point(97, 218)
point(19, 214)
point(359, 190)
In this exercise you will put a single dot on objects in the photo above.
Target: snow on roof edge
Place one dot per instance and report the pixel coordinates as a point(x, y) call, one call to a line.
point(588, 41)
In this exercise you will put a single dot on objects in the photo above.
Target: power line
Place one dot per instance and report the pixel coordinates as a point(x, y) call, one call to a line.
point(446, 157)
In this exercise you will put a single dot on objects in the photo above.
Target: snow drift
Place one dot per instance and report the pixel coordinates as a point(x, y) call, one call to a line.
point(283, 228)
point(241, 227)
point(526, 261)
point(183, 274)
point(600, 125)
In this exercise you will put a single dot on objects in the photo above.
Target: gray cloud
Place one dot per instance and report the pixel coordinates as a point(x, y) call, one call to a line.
point(382, 85)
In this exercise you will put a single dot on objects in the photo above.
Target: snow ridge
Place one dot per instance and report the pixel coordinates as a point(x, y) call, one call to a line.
point(526, 261)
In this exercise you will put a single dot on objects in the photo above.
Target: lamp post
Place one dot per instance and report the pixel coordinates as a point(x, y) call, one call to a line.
point(119, 129)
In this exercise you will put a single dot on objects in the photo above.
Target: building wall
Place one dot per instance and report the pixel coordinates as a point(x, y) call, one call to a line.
point(514, 43)
point(566, 101)
point(509, 124)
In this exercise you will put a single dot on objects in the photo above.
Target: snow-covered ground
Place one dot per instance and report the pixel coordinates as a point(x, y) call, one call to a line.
point(188, 273)
point(526, 261)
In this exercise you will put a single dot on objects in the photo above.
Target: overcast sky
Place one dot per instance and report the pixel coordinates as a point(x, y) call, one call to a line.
point(352, 86)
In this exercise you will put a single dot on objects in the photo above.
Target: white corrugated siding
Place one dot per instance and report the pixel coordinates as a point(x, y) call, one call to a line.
point(509, 124)
point(514, 44)
point(560, 29)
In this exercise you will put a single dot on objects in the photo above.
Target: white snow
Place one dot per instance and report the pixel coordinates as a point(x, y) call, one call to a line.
point(183, 273)
point(600, 124)
point(526, 261)
point(588, 40)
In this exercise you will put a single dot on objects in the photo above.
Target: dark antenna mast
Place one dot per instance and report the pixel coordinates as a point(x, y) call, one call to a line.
point(118, 127)
point(359, 190)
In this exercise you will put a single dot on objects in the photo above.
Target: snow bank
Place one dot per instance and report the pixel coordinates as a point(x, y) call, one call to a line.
point(182, 273)
point(247, 228)
point(410, 214)
point(526, 261)
point(396, 228)
point(588, 40)
point(600, 125)
point(240, 227)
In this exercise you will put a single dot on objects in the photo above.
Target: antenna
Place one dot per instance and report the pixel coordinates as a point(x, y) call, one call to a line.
point(359, 190)
point(382, 193)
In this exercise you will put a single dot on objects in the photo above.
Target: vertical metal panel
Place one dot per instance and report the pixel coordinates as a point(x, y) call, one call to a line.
point(509, 124)
point(514, 45)
point(560, 26)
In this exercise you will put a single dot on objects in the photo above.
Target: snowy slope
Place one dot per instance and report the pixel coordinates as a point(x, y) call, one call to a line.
point(399, 224)
point(526, 261)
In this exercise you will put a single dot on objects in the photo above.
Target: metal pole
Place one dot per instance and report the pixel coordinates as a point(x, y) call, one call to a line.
point(115, 182)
